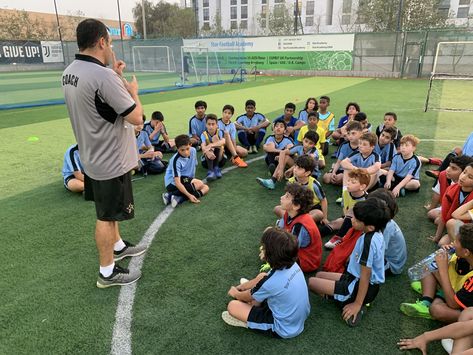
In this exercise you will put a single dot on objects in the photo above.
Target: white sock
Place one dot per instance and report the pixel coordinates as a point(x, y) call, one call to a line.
point(119, 245)
point(106, 271)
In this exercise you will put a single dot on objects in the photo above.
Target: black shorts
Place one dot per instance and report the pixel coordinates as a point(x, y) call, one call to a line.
point(397, 179)
point(66, 181)
point(113, 198)
point(190, 188)
point(221, 163)
point(342, 288)
point(262, 314)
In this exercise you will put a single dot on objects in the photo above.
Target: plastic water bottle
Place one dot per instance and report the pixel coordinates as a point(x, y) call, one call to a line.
point(427, 265)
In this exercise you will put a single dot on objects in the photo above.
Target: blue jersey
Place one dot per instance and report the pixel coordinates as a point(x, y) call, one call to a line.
point(207, 137)
point(281, 144)
point(345, 150)
point(254, 121)
point(395, 254)
point(468, 146)
point(298, 150)
point(386, 153)
point(303, 116)
point(288, 299)
point(149, 129)
point(142, 142)
point(359, 161)
point(292, 122)
point(343, 121)
point(196, 126)
point(230, 128)
point(180, 166)
point(71, 162)
point(369, 252)
point(403, 167)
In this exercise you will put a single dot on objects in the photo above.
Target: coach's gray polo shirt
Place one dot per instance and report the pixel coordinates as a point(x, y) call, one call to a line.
point(97, 100)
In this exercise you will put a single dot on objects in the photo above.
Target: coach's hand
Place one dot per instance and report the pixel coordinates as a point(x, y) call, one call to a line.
point(118, 66)
point(131, 86)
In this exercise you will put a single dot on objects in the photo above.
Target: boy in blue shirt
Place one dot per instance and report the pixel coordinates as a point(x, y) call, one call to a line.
point(251, 127)
point(390, 120)
point(150, 161)
point(385, 147)
point(274, 148)
point(354, 132)
point(365, 158)
point(155, 129)
point(229, 131)
point(276, 303)
point(212, 147)
point(405, 168)
point(72, 170)
point(292, 123)
point(359, 285)
point(197, 123)
point(180, 181)
point(308, 147)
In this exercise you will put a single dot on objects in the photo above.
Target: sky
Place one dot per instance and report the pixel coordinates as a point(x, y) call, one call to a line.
point(106, 10)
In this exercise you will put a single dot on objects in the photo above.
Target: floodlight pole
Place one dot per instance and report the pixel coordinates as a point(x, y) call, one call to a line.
point(398, 29)
point(143, 17)
point(60, 34)
point(121, 29)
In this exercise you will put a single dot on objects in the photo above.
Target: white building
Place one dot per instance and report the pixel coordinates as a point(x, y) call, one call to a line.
point(315, 16)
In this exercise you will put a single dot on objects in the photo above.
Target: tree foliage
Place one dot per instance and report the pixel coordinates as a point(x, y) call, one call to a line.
point(381, 15)
point(19, 25)
point(165, 20)
point(280, 21)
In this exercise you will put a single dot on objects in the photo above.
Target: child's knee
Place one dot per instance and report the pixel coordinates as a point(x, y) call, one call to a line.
point(467, 314)
point(326, 178)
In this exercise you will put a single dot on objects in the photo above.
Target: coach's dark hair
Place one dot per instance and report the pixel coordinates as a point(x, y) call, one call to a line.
point(313, 114)
point(290, 105)
point(200, 103)
point(316, 107)
point(301, 196)
point(229, 107)
point(354, 104)
point(182, 140)
point(89, 32)
point(157, 115)
point(312, 136)
point(212, 117)
point(466, 236)
point(372, 212)
point(305, 162)
point(388, 197)
point(280, 248)
point(462, 161)
point(250, 103)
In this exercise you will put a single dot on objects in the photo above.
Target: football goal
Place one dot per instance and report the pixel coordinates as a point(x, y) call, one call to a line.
point(153, 59)
point(199, 65)
point(451, 81)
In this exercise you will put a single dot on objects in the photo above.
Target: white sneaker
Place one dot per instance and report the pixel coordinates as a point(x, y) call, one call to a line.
point(234, 322)
point(243, 280)
point(447, 345)
point(333, 242)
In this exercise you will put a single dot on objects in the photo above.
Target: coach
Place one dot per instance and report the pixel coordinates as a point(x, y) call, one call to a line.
point(103, 107)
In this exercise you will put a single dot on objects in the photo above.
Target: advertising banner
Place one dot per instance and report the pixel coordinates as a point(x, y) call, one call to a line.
point(52, 52)
point(311, 52)
point(30, 52)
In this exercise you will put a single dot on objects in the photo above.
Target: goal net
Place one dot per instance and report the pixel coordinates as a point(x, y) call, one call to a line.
point(451, 82)
point(199, 65)
point(153, 59)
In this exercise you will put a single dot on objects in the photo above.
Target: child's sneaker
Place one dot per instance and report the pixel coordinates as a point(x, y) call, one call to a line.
point(255, 149)
point(333, 242)
point(166, 198)
point(243, 280)
point(268, 183)
point(265, 267)
point(218, 173)
point(339, 200)
point(355, 322)
point(177, 200)
point(211, 176)
point(402, 192)
point(234, 322)
point(432, 173)
point(419, 309)
point(447, 345)
point(435, 161)
point(239, 162)
point(417, 287)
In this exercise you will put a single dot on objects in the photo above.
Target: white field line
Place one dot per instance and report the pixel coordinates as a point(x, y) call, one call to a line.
point(121, 338)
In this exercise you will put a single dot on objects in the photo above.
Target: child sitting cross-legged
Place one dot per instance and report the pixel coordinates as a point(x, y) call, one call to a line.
point(156, 129)
point(302, 175)
point(447, 291)
point(296, 219)
point(312, 126)
point(277, 302)
point(355, 191)
point(150, 161)
point(180, 181)
point(212, 146)
point(359, 285)
point(229, 132)
point(386, 148)
point(308, 147)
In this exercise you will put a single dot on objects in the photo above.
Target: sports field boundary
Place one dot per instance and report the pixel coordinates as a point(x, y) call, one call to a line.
point(121, 336)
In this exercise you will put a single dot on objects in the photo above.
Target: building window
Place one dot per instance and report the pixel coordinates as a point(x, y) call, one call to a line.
point(205, 3)
point(465, 2)
point(346, 19)
point(233, 25)
point(206, 14)
point(233, 2)
point(279, 1)
point(206, 26)
point(463, 12)
point(244, 12)
point(243, 24)
point(309, 21)
point(346, 9)
point(244, 2)
point(263, 2)
point(309, 8)
point(233, 13)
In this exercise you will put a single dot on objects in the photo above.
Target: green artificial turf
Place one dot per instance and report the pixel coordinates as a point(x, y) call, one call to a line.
point(49, 300)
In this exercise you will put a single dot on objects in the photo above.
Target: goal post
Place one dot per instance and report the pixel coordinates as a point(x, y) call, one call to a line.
point(199, 65)
point(451, 81)
point(153, 59)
